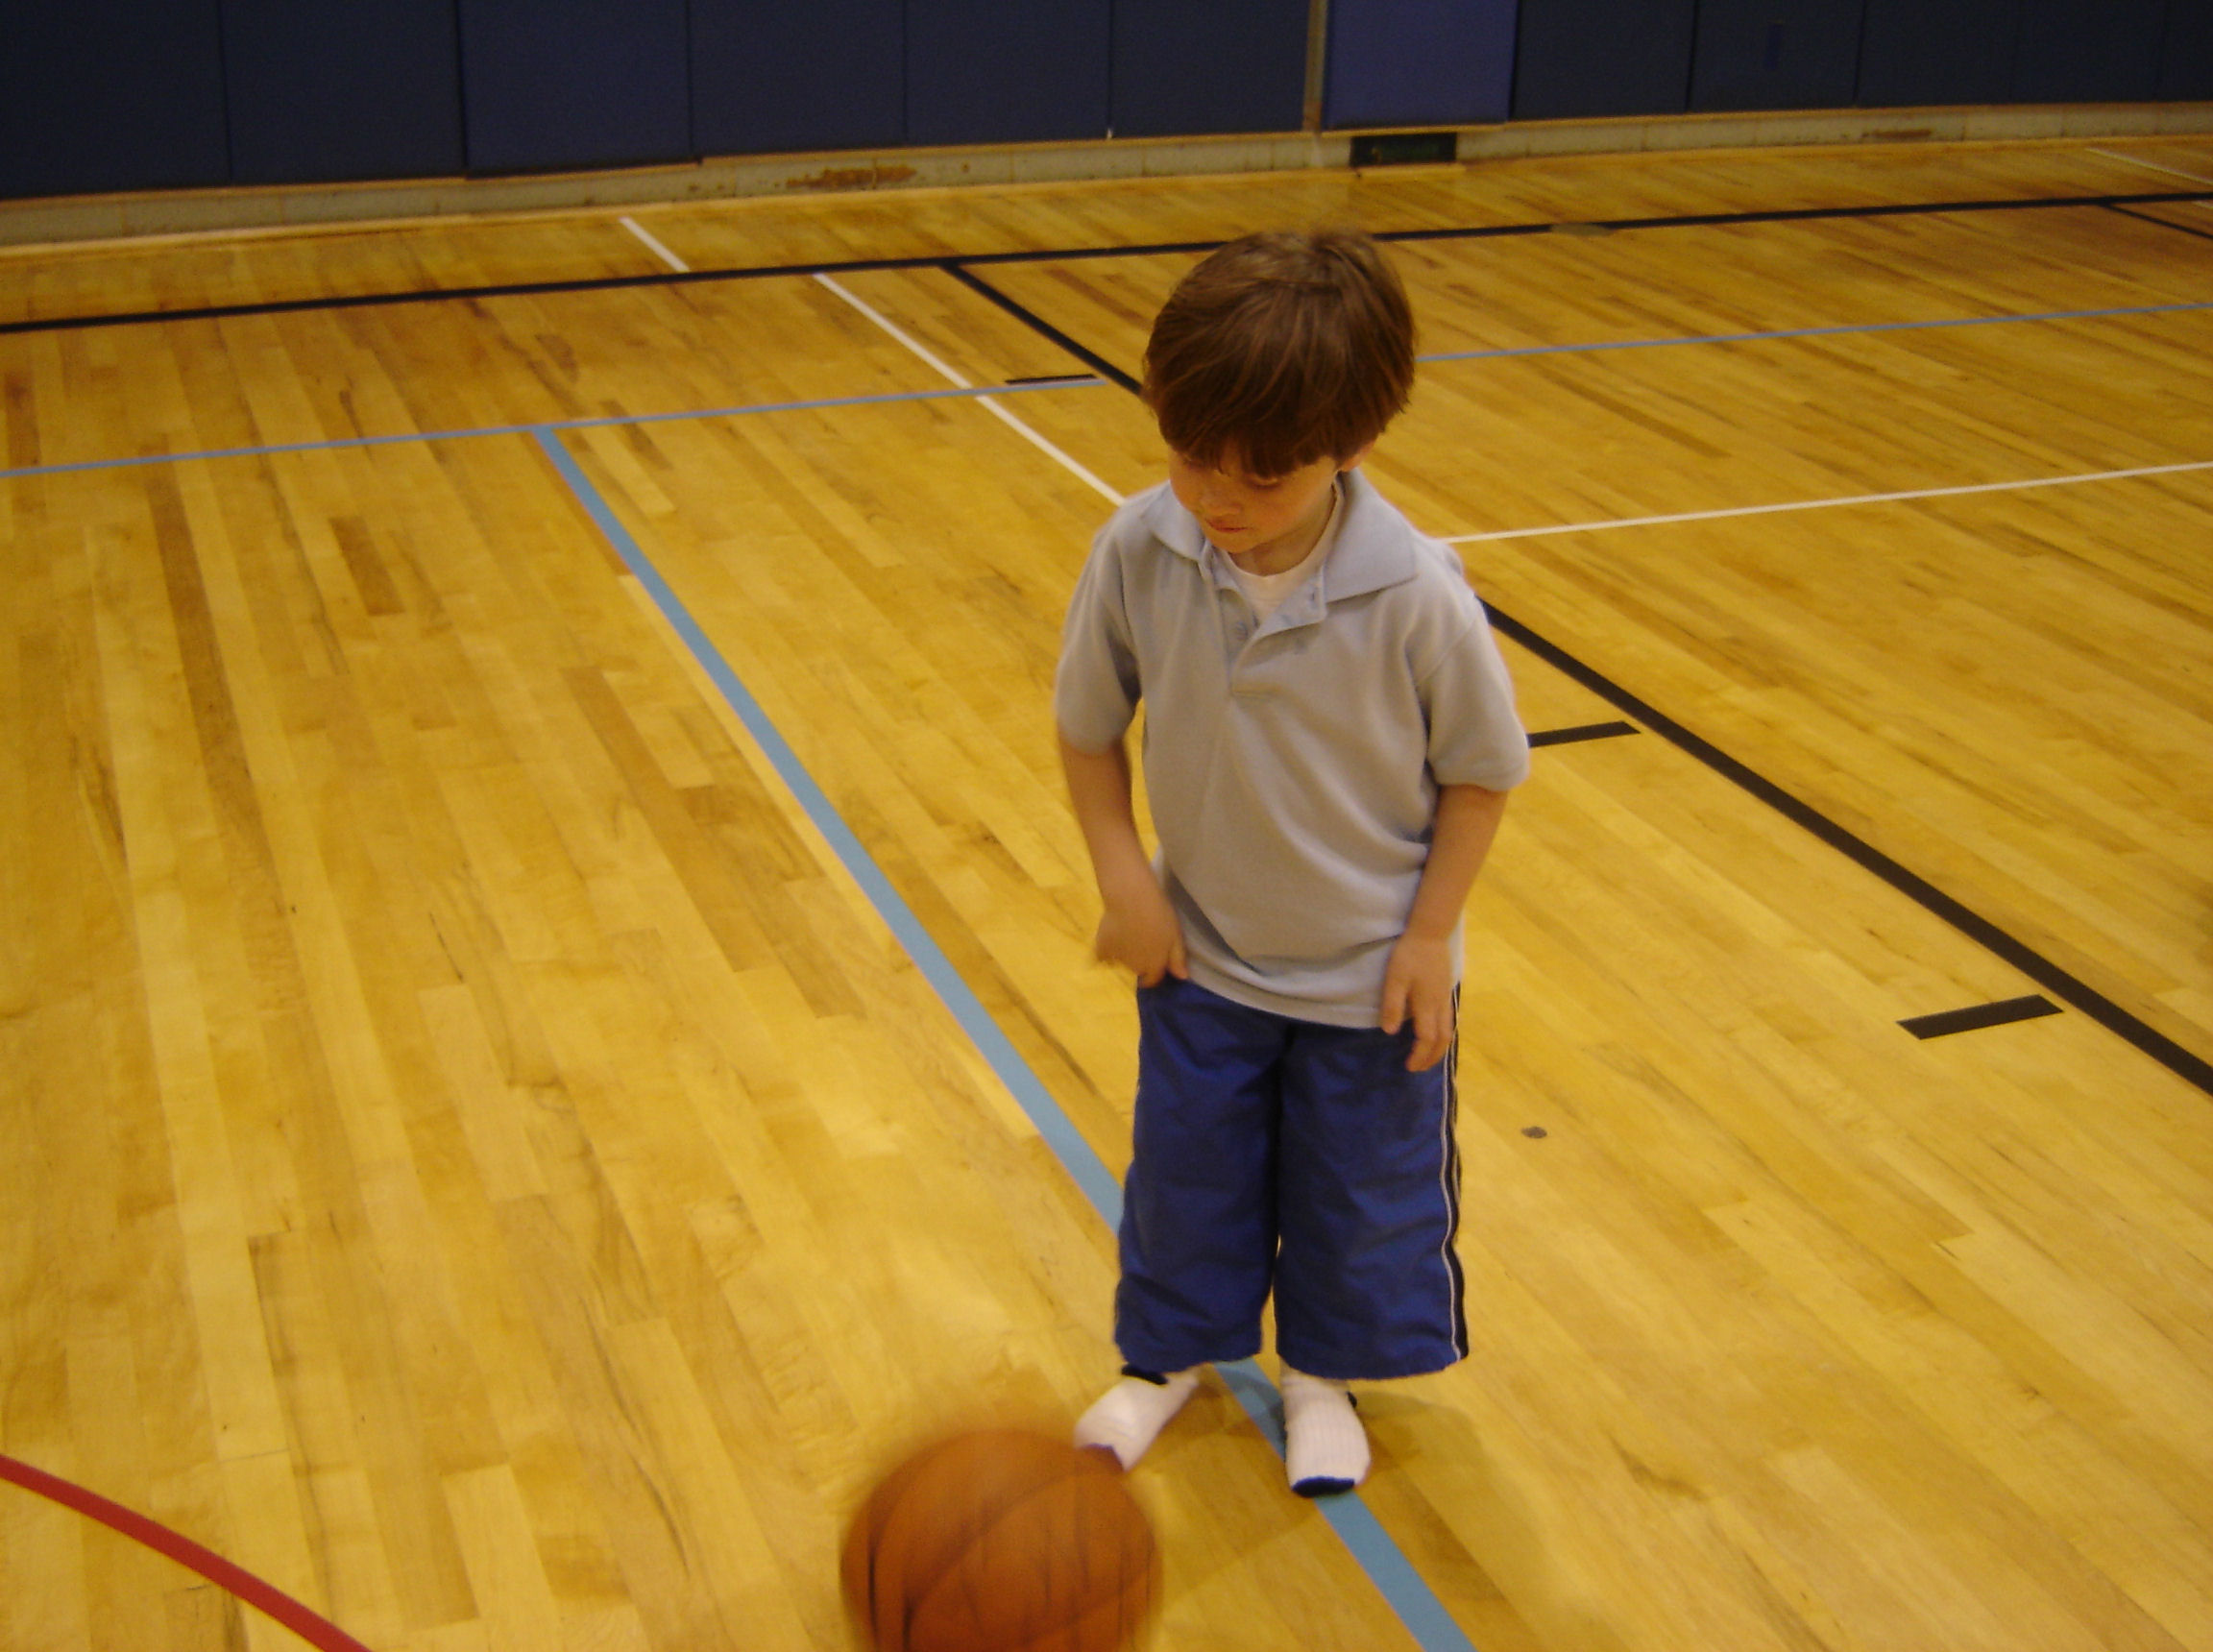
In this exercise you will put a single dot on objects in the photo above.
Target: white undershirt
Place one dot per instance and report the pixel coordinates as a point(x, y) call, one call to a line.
point(1266, 592)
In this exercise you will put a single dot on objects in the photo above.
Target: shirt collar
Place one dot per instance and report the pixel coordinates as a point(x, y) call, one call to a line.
point(1375, 546)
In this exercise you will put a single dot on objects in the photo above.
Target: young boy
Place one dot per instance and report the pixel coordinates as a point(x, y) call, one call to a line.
point(1329, 737)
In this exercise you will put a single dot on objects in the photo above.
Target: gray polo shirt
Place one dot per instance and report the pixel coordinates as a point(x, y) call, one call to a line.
point(1292, 767)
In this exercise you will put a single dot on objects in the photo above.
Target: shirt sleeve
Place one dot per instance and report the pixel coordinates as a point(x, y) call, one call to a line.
point(1096, 687)
point(1476, 735)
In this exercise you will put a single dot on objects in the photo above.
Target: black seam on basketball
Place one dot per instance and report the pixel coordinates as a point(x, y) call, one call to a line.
point(918, 1598)
point(873, 1624)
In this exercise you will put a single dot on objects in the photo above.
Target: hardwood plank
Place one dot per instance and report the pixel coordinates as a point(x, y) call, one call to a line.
point(475, 1158)
point(278, 266)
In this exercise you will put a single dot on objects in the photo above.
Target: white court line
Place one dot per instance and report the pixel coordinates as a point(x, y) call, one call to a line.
point(890, 327)
point(988, 403)
point(666, 255)
point(1826, 504)
point(2154, 166)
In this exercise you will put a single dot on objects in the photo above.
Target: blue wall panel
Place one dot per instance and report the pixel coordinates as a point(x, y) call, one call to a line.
point(103, 95)
point(1225, 65)
point(2089, 51)
point(1419, 63)
point(564, 83)
point(110, 94)
point(323, 90)
point(1007, 71)
point(1602, 57)
point(1939, 52)
point(2186, 58)
point(1776, 54)
point(768, 75)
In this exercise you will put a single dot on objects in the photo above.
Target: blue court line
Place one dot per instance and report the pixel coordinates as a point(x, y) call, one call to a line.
point(897, 396)
point(1405, 1589)
point(1402, 1587)
point(599, 422)
point(1090, 1173)
point(1811, 332)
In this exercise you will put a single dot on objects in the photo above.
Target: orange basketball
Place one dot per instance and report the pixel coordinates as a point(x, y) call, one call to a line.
point(1002, 1542)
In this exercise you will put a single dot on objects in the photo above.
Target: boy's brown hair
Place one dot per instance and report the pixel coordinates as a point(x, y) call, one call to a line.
point(1280, 349)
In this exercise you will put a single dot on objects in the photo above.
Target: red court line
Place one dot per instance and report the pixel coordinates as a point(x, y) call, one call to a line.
point(272, 1602)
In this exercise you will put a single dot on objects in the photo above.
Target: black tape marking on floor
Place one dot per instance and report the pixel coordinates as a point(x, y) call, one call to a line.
point(2163, 223)
point(1061, 255)
point(1979, 1015)
point(1031, 319)
point(2185, 1064)
point(1581, 732)
point(1055, 378)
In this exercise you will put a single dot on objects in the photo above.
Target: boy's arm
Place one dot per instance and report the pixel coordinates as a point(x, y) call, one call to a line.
point(1418, 981)
point(1139, 929)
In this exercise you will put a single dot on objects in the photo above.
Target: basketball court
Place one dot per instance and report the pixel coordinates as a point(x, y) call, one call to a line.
point(545, 1004)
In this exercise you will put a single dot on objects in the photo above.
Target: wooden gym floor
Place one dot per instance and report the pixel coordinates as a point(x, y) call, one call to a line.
point(546, 1027)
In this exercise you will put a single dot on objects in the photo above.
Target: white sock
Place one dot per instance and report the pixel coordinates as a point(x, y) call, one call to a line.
point(1127, 1417)
point(1325, 1450)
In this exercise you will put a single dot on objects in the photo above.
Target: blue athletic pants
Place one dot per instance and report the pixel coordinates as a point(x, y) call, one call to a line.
point(1273, 1152)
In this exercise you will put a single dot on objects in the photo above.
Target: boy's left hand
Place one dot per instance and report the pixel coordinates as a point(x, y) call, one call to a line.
point(1417, 986)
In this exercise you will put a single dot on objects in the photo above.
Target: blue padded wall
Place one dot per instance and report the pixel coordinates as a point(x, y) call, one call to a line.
point(769, 76)
point(1419, 63)
point(2186, 58)
point(327, 89)
point(568, 84)
point(105, 95)
point(2089, 51)
point(1006, 71)
point(1938, 51)
point(110, 94)
point(1602, 57)
point(1169, 57)
point(1776, 54)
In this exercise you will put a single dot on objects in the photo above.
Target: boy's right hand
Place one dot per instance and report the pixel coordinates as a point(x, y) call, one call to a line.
point(1139, 931)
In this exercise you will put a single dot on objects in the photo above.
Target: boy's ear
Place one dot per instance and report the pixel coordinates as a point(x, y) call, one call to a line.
point(1353, 463)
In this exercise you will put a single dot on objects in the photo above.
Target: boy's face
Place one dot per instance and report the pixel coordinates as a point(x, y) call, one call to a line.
point(1265, 522)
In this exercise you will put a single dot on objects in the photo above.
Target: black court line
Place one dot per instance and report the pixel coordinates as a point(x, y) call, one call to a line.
point(2185, 1063)
point(453, 295)
point(1977, 1016)
point(1062, 254)
point(1028, 318)
point(1581, 732)
point(2163, 223)
point(2182, 1063)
